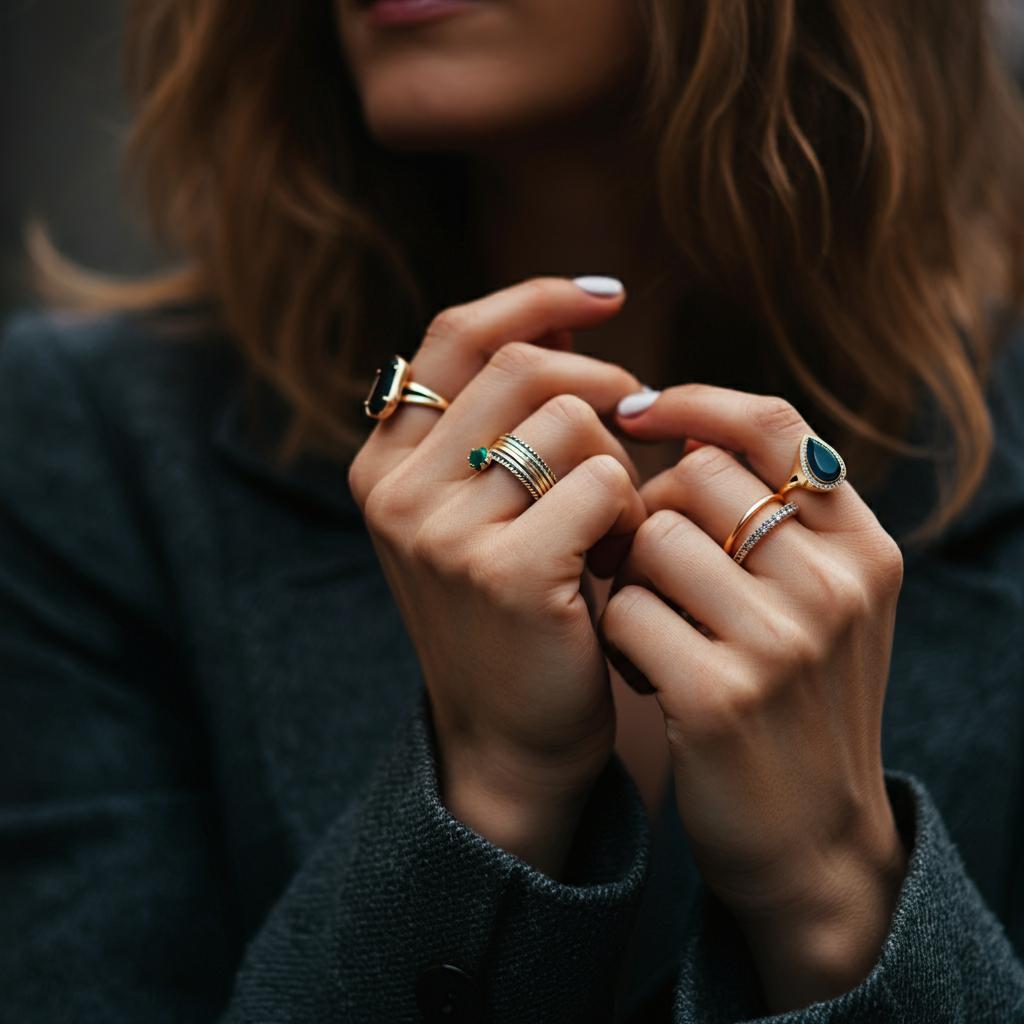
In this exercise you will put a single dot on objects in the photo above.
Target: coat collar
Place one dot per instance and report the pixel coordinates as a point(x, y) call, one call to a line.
point(252, 418)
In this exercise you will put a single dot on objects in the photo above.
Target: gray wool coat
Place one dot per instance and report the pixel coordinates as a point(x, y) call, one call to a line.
point(218, 796)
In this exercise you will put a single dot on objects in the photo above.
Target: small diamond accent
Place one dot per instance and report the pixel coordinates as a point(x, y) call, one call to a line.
point(770, 523)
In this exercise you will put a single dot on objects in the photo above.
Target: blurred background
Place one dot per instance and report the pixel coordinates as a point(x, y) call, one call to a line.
point(64, 119)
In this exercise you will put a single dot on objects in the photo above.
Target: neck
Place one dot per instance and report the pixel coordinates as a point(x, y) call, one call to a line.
point(571, 207)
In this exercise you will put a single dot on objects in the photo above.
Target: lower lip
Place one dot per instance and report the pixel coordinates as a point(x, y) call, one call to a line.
point(414, 12)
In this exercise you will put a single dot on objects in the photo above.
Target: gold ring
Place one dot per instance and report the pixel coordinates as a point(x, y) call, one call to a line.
point(730, 541)
point(392, 386)
point(817, 467)
point(521, 460)
point(787, 510)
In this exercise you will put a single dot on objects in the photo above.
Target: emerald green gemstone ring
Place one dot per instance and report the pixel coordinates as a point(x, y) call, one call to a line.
point(522, 461)
point(479, 458)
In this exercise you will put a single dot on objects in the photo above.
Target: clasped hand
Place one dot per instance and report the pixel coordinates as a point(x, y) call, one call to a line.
point(771, 675)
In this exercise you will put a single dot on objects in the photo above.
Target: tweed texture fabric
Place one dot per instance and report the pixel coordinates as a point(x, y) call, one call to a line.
point(219, 796)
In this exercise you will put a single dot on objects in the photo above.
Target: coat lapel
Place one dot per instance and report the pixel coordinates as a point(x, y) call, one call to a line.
point(325, 660)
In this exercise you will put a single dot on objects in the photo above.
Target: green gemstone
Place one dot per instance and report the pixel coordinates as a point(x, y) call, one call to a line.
point(478, 458)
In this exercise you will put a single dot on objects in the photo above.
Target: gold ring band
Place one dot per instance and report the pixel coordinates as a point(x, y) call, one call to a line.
point(528, 481)
point(392, 386)
point(537, 472)
point(419, 394)
point(745, 518)
point(519, 449)
point(787, 510)
point(520, 459)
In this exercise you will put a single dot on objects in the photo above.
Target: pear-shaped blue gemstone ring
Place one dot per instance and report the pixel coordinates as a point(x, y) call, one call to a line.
point(817, 467)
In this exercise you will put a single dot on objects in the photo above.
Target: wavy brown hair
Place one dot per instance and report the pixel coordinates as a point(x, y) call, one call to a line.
point(848, 171)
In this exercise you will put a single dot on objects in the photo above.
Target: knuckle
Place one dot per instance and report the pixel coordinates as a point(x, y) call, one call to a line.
point(889, 565)
point(728, 707)
point(560, 606)
point(449, 324)
point(659, 525)
point(571, 410)
point(608, 473)
point(740, 701)
point(616, 620)
point(385, 511)
point(487, 575)
point(517, 358)
point(789, 643)
point(432, 544)
point(358, 480)
point(772, 414)
point(847, 593)
point(705, 464)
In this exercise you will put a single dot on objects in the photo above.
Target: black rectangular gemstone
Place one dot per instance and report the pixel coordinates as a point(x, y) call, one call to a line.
point(385, 387)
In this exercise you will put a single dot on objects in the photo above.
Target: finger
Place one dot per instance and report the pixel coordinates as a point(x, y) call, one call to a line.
point(564, 432)
point(714, 491)
point(763, 430)
point(596, 499)
point(675, 558)
point(461, 339)
point(516, 383)
point(678, 662)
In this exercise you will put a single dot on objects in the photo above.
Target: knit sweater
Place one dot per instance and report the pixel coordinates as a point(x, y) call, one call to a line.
point(219, 796)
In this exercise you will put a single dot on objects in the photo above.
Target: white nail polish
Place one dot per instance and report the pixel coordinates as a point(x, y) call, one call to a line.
point(636, 403)
point(603, 287)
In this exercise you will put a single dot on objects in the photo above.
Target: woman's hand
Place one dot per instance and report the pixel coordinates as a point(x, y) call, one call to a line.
point(773, 697)
point(488, 581)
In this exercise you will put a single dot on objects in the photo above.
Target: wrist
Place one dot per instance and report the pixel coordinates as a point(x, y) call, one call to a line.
point(539, 833)
point(531, 814)
point(827, 941)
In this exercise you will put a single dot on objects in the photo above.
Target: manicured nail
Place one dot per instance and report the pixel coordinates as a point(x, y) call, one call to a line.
point(602, 287)
point(636, 403)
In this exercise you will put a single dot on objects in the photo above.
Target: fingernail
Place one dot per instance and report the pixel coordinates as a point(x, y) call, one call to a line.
point(602, 287)
point(636, 403)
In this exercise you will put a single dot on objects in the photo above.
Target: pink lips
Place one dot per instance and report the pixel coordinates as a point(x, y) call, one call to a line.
point(411, 12)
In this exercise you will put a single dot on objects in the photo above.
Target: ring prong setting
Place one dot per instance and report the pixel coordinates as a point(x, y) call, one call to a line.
point(479, 458)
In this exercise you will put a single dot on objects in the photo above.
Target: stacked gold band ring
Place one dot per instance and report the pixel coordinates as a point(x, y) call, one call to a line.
point(817, 467)
point(730, 541)
point(787, 510)
point(522, 461)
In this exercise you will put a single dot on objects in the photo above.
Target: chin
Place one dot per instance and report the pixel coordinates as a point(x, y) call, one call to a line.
point(405, 113)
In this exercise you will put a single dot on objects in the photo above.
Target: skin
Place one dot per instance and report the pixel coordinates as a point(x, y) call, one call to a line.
point(768, 691)
point(413, 82)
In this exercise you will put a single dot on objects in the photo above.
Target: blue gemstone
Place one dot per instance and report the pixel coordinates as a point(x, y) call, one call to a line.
point(823, 464)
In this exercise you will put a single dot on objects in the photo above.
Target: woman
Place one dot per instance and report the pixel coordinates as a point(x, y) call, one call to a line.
point(286, 749)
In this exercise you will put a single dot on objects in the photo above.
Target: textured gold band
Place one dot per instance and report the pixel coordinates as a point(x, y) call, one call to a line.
point(770, 523)
point(500, 458)
point(529, 457)
point(505, 449)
